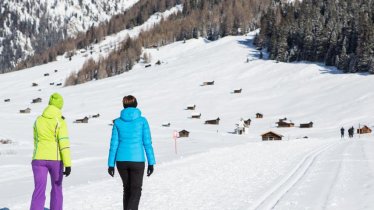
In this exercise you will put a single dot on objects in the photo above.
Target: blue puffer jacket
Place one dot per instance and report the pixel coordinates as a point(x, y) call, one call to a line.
point(130, 137)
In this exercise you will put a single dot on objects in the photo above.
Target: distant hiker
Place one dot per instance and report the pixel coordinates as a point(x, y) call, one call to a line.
point(352, 131)
point(51, 154)
point(131, 136)
point(342, 132)
point(241, 126)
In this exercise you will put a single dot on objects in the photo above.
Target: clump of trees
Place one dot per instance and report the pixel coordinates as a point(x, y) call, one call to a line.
point(337, 33)
point(117, 62)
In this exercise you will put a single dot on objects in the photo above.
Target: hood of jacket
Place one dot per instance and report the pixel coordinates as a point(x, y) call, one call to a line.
point(52, 112)
point(130, 114)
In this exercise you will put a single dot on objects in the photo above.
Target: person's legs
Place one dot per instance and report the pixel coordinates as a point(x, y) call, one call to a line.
point(136, 173)
point(55, 170)
point(123, 172)
point(40, 171)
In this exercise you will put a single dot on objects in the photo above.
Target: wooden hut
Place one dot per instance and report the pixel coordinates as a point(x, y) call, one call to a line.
point(259, 116)
point(247, 123)
point(56, 70)
point(84, 120)
point(191, 107)
point(7, 100)
point(25, 111)
point(36, 100)
point(96, 115)
point(34, 84)
point(166, 124)
point(158, 62)
point(364, 130)
point(5, 141)
point(212, 122)
point(208, 83)
point(59, 84)
point(196, 115)
point(238, 91)
point(183, 134)
point(283, 123)
point(51, 83)
point(270, 136)
point(46, 74)
point(306, 125)
point(148, 65)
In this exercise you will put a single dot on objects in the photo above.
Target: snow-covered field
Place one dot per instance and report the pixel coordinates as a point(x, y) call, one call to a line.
point(214, 168)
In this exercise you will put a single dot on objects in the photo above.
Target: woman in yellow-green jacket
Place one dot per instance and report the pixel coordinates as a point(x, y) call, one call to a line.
point(51, 154)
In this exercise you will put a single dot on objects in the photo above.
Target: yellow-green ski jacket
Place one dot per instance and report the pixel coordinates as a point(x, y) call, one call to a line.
point(51, 141)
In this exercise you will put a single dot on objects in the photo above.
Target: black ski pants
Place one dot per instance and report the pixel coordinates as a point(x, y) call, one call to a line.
point(132, 179)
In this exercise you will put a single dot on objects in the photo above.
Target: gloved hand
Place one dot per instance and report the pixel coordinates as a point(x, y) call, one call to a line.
point(111, 171)
point(67, 171)
point(149, 170)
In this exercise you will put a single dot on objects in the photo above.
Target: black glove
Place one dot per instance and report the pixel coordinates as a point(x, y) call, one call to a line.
point(67, 171)
point(149, 170)
point(111, 171)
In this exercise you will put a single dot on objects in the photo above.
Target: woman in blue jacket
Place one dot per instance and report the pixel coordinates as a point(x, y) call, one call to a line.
point(131, 136)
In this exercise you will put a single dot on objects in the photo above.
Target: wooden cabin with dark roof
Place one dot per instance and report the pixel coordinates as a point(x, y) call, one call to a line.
point(25, 111)
point(306, 125)
point(207, 83)
point(247, 123)
point(36, 100)
point(284, 123)
point(166, 124)
point(196, 115)
point(237, 91)
point(259, 116)
point(212, 122)
point(191, 107)
point(183, 134)
point(271, 136)
point(96, 115)
point(364, 130)
point(84, 120)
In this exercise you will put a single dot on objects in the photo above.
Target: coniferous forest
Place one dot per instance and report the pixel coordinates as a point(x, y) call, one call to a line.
point(336, 33)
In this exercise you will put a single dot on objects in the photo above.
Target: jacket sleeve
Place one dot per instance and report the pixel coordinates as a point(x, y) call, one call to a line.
point(147, 142)
point(64, 144)
point(114, 142)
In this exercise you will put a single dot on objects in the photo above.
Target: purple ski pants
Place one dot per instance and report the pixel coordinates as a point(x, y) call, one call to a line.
point(40, 169)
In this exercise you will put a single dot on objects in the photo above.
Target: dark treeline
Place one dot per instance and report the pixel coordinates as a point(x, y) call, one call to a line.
point(135, 16)
point(39, 36)
point(210, 19)
point(338, 33)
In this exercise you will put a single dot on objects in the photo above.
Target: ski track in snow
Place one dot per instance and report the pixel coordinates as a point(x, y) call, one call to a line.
point(272, 198)
point(330, 175)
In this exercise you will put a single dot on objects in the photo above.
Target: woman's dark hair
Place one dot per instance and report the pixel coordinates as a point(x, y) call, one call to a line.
point(129, 101)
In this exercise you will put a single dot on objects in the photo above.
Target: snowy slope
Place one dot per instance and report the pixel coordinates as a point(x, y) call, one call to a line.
point(27, 20)
point(214, 169)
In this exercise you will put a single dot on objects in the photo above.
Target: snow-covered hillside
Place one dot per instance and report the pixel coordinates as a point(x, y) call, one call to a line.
point(24, 21)
point(214, 168)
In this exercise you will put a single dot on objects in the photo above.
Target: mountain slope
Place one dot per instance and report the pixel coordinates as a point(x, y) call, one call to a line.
point(28, 26)
point(302, 92)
